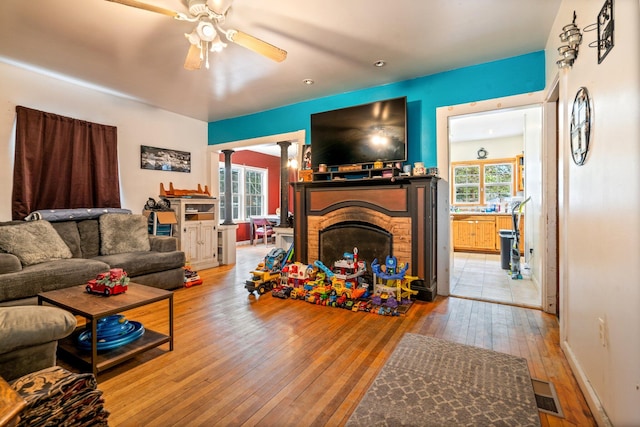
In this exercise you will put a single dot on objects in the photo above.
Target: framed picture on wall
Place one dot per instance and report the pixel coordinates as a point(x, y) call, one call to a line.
point(164, 159)
point(306, 157)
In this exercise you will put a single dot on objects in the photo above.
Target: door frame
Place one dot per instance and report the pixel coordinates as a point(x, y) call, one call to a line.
point(445, 247)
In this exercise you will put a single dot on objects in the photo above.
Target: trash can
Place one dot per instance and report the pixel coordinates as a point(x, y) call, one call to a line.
point(506, 241)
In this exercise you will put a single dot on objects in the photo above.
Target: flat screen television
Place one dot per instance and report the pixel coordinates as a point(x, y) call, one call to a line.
point(361, 134)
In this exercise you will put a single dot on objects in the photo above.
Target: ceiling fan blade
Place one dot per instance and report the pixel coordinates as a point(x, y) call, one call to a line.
point(193, 61)
point(150, 7)
point(257, 45)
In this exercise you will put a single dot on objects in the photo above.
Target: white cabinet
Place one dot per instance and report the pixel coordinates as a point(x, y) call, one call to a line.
point(197, 230)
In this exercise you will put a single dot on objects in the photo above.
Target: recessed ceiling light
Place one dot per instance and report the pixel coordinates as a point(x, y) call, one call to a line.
point(308, 82)
point(379, 63)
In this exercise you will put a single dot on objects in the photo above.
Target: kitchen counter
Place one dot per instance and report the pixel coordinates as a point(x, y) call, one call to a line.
point(459, 214)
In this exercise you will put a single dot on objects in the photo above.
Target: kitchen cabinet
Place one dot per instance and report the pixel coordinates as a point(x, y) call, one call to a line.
point(479, 232)
point(197, 230)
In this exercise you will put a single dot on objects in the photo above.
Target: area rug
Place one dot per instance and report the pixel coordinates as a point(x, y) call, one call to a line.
point(432, 382)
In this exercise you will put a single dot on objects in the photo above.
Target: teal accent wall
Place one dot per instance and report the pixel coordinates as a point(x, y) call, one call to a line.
point(506, 77)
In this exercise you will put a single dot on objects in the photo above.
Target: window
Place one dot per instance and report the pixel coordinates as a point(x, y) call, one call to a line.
point(498, 181)
point(248, 192)
point(466, 184)
point(481, 182)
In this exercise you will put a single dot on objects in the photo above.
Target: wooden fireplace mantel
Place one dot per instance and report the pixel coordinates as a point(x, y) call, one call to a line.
point(403, 206)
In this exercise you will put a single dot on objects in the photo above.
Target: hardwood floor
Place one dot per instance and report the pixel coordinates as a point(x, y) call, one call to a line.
point(246, 360)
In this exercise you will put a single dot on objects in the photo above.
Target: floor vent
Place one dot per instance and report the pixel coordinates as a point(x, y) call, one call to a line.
point(547, 398)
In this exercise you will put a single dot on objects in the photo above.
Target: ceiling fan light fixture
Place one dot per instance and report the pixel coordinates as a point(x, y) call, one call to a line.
point(217, 45)
point(210, 16)
point(198, 7)
point(219, 7)
point(192, 37)
point(206, 31)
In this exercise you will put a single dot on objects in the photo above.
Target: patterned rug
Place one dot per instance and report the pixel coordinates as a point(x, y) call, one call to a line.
point(432, 382)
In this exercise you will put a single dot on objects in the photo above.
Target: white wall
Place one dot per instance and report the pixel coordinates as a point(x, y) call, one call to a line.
point(599, 205)
point(137, 123)
point(498, 148)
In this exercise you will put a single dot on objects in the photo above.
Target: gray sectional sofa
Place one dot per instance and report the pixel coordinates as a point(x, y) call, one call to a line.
point(37, 256)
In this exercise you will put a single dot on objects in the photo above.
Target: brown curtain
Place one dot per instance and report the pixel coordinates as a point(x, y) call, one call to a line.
point(63, 163)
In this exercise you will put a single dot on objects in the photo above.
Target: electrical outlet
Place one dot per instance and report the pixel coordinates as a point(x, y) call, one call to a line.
point(602, 329)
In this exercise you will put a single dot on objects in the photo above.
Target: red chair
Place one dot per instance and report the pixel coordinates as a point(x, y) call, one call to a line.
point(262, 229)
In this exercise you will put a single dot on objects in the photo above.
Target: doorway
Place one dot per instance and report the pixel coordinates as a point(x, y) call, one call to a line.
point(489, 153)
point(266, 147)
point(535, 232)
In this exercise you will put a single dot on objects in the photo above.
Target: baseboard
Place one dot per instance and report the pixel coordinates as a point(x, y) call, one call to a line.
point(589, 393)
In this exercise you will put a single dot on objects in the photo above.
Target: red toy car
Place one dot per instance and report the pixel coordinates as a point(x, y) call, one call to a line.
point(112, 282)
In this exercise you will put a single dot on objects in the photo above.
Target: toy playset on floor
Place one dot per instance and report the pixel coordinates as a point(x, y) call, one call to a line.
point(386, 290)
point(191, 277)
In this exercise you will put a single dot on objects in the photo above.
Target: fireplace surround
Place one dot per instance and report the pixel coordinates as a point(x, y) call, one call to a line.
point(380, 216)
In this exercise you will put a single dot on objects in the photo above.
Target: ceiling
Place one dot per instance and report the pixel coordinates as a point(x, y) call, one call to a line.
point(140, 54)
point(488, 125)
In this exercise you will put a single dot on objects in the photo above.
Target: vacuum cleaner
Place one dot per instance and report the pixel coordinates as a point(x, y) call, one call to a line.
point(516, 213)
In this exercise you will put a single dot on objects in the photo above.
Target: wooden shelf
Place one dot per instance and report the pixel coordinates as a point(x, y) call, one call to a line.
point(109, 358)
point(352, 175)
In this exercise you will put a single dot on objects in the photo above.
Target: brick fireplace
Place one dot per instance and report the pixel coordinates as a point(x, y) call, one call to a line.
point(378, 216)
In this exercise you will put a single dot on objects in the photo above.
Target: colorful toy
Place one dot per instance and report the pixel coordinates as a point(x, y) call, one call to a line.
point(281, 292)
point(262, 281)
point(389, 278)
point(112, 282)
point(267, 273)
point(191, 277)
point(296, 274)
point(112, 332)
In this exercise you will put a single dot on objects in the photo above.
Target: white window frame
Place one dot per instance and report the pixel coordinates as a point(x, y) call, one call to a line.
point(241, 196)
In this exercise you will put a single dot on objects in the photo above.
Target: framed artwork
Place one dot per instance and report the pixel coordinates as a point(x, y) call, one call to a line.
point(163, 159)
point(306, 157)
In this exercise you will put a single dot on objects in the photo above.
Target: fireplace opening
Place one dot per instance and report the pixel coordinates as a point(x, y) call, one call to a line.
point(372, 242)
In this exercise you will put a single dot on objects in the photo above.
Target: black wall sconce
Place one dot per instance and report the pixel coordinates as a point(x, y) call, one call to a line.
point(604, 25)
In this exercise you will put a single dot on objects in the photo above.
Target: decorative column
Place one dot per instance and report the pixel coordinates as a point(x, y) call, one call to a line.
point(284, 182)
point(228, 197)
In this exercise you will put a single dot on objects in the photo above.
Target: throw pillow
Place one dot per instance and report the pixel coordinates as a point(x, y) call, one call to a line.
point(89, 237)
point(121, 233)
point(33, 242)
point(68, 231)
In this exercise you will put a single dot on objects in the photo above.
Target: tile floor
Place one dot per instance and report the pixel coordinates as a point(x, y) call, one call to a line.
point(480, 276)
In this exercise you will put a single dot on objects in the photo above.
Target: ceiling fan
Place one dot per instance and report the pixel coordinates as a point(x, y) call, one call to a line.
point(206, 36)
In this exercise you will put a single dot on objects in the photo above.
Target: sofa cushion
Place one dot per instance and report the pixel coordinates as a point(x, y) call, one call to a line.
point(33, 242)
point(48, 276)
point(122, 233)
point(9, 263)
point(89, 237)
point(25, 326)
point(68, 231)
point(145, 262)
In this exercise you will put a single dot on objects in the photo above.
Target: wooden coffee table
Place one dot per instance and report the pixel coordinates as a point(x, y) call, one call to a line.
point(93, 307)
